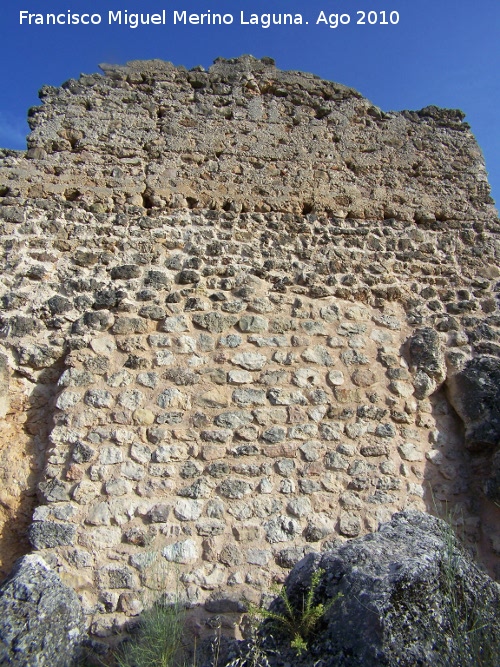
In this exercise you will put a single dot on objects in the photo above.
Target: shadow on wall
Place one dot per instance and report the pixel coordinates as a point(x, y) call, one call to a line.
point(24, 429)
point(455, 481)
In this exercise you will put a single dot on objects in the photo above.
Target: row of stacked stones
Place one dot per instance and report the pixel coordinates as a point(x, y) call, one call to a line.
point(244, 304)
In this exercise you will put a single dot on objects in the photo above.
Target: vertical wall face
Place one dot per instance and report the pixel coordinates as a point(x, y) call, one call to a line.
point(263, 302)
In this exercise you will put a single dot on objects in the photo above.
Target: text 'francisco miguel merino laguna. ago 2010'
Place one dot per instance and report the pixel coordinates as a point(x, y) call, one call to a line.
point(209, 18)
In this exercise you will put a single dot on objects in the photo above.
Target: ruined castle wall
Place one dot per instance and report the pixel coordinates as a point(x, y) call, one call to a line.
point(244, 293)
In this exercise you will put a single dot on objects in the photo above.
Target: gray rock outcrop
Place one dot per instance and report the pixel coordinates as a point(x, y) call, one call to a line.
point(475, 395)
point(474, 392)
point(41, 619)
point(410, 596)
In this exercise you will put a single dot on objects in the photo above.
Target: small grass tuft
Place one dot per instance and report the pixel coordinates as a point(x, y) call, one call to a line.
point(158, 640)
point(475, 641)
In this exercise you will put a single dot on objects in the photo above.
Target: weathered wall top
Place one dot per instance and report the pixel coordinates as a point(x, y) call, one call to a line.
point(239, 309)
point(245, 136)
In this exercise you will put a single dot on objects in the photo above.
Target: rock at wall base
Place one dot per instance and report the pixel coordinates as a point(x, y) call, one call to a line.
point(41, 619)
point(410, 596)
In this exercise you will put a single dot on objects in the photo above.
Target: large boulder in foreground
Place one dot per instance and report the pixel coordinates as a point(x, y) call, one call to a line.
point(41, 619)
point(410, 597)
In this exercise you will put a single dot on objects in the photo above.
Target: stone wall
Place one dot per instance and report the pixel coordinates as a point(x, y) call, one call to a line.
point(238, 298)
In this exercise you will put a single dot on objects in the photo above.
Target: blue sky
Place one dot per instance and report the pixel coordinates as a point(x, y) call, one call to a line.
point(443, 52)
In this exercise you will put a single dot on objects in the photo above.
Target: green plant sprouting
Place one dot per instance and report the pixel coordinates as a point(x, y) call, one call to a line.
point(297, 624)
point(469, 627)
point(158, 640)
